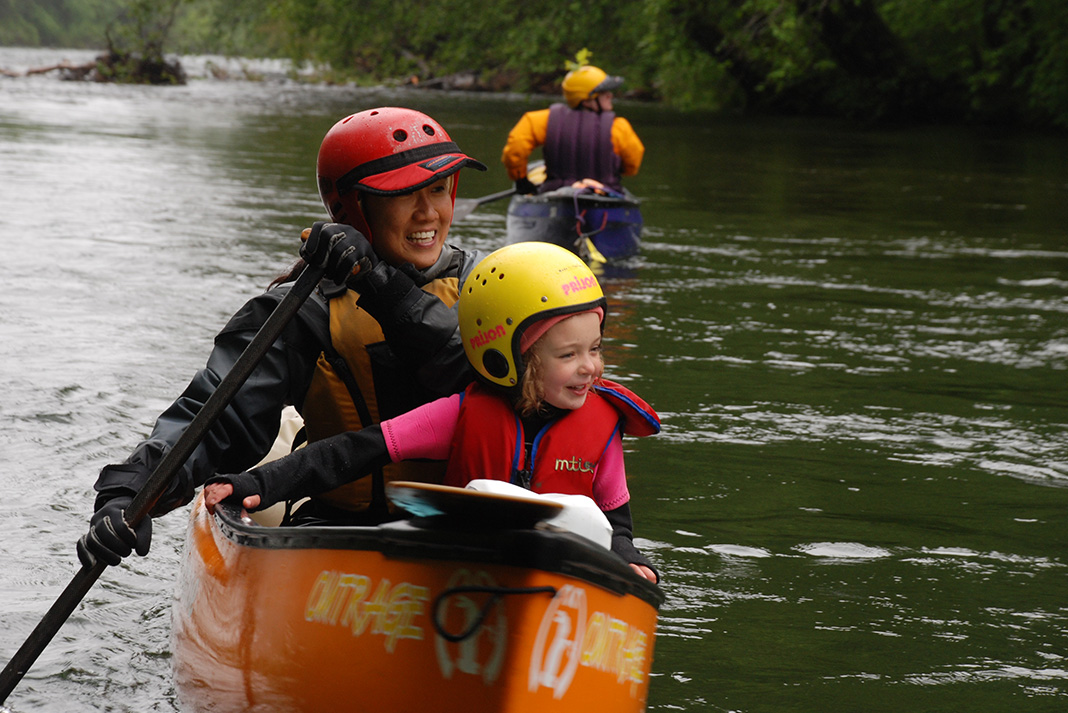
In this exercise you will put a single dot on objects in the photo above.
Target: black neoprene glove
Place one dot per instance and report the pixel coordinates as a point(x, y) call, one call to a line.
point(386, 292)
point(523, 186)
point(623, 538)
point(340, 249)
point(110, 538)
point(244, 484)
point(314, 469)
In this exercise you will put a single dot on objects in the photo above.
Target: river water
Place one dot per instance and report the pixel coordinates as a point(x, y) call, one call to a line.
point(857, 339)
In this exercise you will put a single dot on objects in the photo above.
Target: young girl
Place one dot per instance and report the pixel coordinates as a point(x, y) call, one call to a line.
point(531, 316)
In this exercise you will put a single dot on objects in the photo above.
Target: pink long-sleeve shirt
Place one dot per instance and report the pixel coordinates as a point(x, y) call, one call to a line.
point(427, 432)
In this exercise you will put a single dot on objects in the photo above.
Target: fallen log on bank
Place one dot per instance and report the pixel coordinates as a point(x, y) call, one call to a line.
point(118, 67)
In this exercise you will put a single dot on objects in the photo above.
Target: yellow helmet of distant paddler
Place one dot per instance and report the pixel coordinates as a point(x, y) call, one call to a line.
point(513, 289)
point(587, 82)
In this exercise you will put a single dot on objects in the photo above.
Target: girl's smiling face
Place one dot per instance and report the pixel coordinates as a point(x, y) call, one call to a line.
point(411, 227)
point(570, 360)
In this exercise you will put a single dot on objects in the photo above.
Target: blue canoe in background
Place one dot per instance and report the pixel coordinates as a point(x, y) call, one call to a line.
point(596, 224)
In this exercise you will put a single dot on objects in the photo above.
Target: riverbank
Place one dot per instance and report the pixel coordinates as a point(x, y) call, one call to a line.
point(80, 65)
point(58, 63)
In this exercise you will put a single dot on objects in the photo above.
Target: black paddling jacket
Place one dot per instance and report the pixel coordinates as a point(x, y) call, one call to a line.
point(421, 339)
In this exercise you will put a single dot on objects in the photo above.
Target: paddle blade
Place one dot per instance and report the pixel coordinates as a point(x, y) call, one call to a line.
point(536, 173)
point(463, 208)
point(466, 206)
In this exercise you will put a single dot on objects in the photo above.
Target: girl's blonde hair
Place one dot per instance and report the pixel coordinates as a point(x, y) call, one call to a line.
point(531, 392)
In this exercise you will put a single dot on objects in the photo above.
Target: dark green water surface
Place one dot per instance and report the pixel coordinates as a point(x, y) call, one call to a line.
point(857, 339)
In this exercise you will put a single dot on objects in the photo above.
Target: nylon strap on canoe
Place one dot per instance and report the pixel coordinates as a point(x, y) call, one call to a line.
point(495, 595)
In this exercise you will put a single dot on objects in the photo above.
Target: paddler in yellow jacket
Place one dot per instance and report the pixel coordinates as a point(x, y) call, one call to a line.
point(582, 138)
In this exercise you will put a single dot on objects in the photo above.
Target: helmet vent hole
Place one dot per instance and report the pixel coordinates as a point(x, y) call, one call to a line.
point(501, 276)
point(478, 321)
point(496, 364)
point(400, 134)
point(428, 129)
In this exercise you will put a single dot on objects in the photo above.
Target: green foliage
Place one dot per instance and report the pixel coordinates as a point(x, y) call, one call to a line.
point(143, 26)
point(956, 60)
point(513, 45)
point(972, 60)
point(582, 58)
point(1049, 85)
point(55, 23)
point(137, 40)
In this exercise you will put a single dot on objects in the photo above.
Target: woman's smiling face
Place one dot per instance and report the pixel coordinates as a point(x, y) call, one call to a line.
point(411, 227)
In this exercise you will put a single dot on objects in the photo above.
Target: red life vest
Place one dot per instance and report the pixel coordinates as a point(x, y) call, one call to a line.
point(489, 443)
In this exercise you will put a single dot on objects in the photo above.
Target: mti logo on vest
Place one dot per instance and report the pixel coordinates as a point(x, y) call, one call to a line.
point(575, 465)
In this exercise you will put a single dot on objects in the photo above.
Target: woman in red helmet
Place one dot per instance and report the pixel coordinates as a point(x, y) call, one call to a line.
point(378, 337)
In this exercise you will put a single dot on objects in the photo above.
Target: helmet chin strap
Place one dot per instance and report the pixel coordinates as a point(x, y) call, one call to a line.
point(358, 221)
point(592, 104)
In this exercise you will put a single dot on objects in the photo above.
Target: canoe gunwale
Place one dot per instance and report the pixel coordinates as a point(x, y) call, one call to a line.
point(568, 195)
point(439, 539)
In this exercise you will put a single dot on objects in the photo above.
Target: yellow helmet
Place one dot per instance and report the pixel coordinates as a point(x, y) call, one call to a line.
point(586, 82)
point(511, 289)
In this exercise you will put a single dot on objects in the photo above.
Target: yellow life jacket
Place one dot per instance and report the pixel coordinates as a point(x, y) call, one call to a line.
point(361, 384)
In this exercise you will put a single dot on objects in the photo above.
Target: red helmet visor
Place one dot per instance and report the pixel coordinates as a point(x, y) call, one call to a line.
point(407, 171)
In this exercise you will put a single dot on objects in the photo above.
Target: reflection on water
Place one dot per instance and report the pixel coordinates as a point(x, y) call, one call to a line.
point(857, 340)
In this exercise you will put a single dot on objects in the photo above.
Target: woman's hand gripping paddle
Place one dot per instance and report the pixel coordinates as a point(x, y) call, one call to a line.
point(161, 478)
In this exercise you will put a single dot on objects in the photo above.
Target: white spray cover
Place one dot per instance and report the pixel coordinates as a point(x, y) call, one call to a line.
point(579, 514)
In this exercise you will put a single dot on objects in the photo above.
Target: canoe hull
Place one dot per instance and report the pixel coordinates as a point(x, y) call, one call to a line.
point(613, 225)
point(357, 619)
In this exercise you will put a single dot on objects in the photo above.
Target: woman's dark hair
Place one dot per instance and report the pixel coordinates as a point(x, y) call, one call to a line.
point(294, 271)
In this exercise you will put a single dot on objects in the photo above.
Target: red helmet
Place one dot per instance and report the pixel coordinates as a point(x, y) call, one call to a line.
point(388, 151)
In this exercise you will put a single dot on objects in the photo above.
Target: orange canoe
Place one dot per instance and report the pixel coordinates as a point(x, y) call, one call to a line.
point(414, 615)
